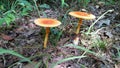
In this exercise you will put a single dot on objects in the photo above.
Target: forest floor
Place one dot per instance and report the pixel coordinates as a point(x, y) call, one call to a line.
point(26, 38)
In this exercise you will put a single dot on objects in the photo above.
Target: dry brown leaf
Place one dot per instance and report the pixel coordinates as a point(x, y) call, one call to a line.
point(6, 37)
point(30, 65)
point(31, 25)
point(63, 41)
point(19, 29)
point(58, 66)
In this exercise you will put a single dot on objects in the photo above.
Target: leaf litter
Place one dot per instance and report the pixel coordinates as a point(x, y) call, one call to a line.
point(27, 39)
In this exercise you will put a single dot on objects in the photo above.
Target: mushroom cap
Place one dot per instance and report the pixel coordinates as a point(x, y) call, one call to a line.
point(82, 15)
point(47, 22)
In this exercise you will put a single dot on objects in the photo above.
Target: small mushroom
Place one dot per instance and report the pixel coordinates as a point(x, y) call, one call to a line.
point(81, 15)
point(47, 23)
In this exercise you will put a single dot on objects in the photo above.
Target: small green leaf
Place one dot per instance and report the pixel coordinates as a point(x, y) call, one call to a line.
point(44, 6)
point(1, 21)
point(63, 3)
point(9, 18)
point(24, 12)
point(2, 7)
point(22, 4)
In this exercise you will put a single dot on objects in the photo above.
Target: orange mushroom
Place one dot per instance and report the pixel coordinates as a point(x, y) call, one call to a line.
point(47, 22)
point(81, 15)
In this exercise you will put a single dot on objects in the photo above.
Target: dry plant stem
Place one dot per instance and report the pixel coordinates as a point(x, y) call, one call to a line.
point(46, 36)
point(88, 32)
point(79, 24)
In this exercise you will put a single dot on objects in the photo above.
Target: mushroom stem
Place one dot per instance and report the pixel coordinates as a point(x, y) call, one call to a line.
point(79, 24)
point(46, 36)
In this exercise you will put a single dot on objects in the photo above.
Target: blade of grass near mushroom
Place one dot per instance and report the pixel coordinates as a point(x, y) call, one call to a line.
point(81, 16)
point(47, 23)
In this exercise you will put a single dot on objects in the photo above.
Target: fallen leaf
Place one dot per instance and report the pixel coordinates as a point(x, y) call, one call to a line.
point(58, 66)
point(6, 37)
point(19, 29)
point(30, 65)
point(29, 33)
point(105, 21)
point(31, 25)
point(109, 34)
point(63, 41)
point(58, 58)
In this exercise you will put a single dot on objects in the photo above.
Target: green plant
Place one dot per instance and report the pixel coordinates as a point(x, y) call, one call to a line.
point(25, 7)
point(100, 43)
point(37, 8)
point(84, 2)
point(7, 12)
point(74, 57)
point(63, 3)
point(6, 51)
point(80, 48)
point(66, 59)
point(7, 17)
point(35, 64)
point(44, 6)
point(55, 36)
point(10, 10)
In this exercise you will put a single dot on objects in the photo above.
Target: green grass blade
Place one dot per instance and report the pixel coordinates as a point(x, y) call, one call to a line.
point(63, 3)
point(38, 64)
point(66, 59)
point(2, 51)
point(81, 48)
